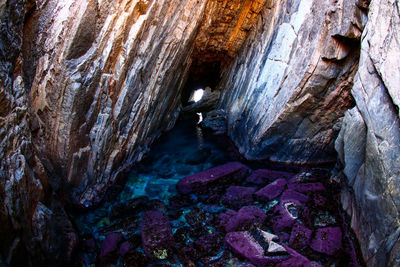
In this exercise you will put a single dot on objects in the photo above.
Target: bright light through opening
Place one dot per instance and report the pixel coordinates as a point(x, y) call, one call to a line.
point(198, 95)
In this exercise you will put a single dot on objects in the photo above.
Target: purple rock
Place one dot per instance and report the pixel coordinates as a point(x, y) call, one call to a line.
point(125, 248)
point(300, 237)
point(157, 239)
point(264, 176)
point(295, 260)
point(110, 245)
point(307, 187)
point(285, 214)
point(271, 191)
point(245, 218)
point(224, 218)
point(243, 244)
point(228, 173)
point(327, 240)
point(291, 195)
point(238, 196)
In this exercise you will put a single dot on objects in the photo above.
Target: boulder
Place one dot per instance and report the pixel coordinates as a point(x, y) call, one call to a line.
point(285, 214)
point(246, 218)
point(292, 195)
point(300, 237)
point(327, 240)
point(157, 240)
point(238, 196)
point(224, 174)
point(271, 191)
point(110, 247)
point(244, 245)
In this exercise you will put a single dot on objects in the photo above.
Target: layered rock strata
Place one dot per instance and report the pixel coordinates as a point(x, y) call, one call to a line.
point(34, 226)
point(109, 76)
point(290, 84)
point(369, 141)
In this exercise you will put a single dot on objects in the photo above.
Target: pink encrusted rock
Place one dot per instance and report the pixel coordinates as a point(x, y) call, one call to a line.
point(243, 244)
point(157, 238)
point(125, 248)
point(296, 260)
point(292, 195)
point(264, 176)
point(238, 196)
point(285, 214)
point(224, 174)
point(271, 191)
point(247, 217)
point(110, 246)
point(300, 236)
point(327, 240)
point(307, 187)
point(224, 218)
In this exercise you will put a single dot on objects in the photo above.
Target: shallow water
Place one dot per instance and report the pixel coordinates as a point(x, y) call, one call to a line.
point(184, 151)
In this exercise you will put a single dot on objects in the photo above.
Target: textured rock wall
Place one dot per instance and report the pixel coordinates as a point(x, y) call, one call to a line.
point(34, 227)
point(291, 83)
point(107, 83)
point(369, 142)
point(109, 76)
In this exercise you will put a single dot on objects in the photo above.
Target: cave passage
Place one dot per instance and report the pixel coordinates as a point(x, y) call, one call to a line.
point(158, 218)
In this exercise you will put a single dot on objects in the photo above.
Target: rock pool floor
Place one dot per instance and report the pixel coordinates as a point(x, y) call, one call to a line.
point(252, 217)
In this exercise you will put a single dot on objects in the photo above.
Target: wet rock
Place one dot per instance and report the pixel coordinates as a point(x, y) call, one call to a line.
point(271, 191)
point(238, 196)
point(307, 187)
point(225, 217)
point(157, 240)
point(215, 120)
point(125, 248)
point(285, 214)
point(246, 218)
point(300, 237)
point(207, 102)
point(244, 245)
point(297, 260)
point(265, 176)
point(110, 247)
point(228, 173)
point(327, 240)
point(292, 195)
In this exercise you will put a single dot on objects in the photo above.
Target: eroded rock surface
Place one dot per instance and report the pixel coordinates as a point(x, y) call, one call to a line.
point(291, 82)
point(369, 142)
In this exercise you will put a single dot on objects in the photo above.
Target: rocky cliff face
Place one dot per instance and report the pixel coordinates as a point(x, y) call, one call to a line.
point(34, 226)
point(109, 76)
point(87, 86)
point(369, 142)
point(291, 83)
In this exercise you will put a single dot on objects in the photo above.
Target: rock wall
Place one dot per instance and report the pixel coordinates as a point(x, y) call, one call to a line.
point(291, 83)
point(109, 76)
point(106, 84)
point(369, 141)
point(34, 226)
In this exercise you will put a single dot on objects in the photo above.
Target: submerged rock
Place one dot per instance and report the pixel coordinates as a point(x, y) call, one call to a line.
point(246, 218)
point(110, 247)
point(157, 240)
point(271, 191)
point(327, 240)
point(238, 196)
point(225, 174)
